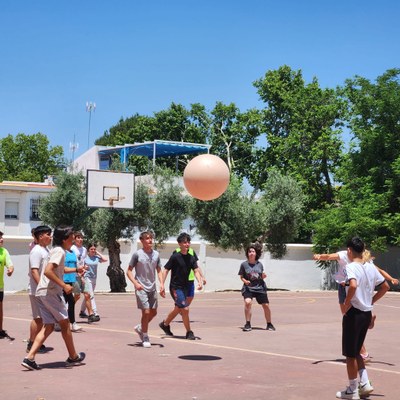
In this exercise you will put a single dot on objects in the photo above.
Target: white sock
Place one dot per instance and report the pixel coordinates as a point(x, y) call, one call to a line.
point(363, 376)
point(353, 384)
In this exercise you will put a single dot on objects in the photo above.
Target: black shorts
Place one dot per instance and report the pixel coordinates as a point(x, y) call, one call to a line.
point(354, 330)
point(261, 297)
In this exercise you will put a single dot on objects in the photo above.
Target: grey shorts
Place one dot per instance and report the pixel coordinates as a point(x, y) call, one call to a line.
point(146, 300)
point(35, 306)
point(52, 308)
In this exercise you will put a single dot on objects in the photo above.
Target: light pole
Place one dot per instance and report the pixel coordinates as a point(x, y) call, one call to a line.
point(90, 107)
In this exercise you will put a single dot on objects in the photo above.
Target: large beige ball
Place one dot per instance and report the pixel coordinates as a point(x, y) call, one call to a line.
point(206, 177)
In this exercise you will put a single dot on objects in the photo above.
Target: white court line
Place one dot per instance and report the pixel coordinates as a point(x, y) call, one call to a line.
point(217, 346)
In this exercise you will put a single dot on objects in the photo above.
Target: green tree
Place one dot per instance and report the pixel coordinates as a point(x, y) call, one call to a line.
point(368, 200)
point(29, 158)
point(67, 204)
point(284, 203)
point(302, 124)
point(234, 220)
point(233, 135)
point(177, 123)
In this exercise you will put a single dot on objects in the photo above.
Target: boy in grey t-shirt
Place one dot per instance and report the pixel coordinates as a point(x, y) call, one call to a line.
point(147, 265)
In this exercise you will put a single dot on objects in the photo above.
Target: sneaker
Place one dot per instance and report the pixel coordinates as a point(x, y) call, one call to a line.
point(79, 358)
point(30, 364)
point(92, 318)
point(190, 335)
point(138, 330)
point(270, 327)
point(96, 317)
point(146, 342)
point(366, 389)
point(166, 329)
point(75, 327)
point(57, 327)
point(348, 394)
point(3, 334)
point(41, 350)
point(247, 327)
point(82, 314)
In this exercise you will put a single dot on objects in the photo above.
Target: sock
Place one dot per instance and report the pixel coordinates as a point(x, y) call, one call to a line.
point(353, 384)
point(363, 376)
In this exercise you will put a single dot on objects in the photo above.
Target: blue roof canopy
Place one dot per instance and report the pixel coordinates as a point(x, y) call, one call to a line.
point(158, 148)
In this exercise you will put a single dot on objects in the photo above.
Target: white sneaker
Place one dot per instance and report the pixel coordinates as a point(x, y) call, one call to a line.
point(138, 330)
point(366, 389)
point(57, 327)
point(146, 342)
point(348, 394)
point(75, 327)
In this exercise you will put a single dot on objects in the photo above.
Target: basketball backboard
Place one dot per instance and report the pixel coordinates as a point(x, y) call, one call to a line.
point(109, 189)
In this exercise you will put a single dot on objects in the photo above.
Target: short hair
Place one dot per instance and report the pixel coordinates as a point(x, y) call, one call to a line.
point(61, 233)
point(183, 237)
point(78, 233)
point(356, 244)
point(41, 229)
point(1, 233)
point(146, 233)
point(257, 247)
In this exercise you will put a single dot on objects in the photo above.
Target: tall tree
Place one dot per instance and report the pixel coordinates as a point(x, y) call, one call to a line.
point(177, 123)
point(233, 135)
point(29, 158)
point(234, 220)
point(302, 124)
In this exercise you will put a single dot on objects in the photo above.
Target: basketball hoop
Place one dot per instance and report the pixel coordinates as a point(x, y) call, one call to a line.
point(113, 199)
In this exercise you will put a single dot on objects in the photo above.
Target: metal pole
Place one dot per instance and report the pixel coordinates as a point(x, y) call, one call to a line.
point(90, 107)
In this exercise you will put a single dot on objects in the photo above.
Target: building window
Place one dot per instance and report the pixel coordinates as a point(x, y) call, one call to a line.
point(35, 203)
point(11, 210)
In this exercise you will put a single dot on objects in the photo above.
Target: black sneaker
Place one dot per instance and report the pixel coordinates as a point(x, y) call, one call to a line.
point(190, 335)
point(92, 318)
point(74, 361)
point(5, 335)
point(83, 315)
point(247, 327)
point(41, 350)
point(270, 327)
point(165, 328)
point(30, 364)
point(96, 317)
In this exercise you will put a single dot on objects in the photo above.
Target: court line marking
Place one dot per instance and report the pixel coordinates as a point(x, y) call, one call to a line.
point(218, 346)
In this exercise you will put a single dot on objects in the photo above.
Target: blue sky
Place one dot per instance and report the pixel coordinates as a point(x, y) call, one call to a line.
point(132, 56)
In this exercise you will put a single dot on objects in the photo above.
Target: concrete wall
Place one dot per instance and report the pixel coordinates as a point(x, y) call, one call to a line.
point(295, 272)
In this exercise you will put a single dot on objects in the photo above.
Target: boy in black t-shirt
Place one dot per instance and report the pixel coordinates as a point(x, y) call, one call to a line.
point(180, 264)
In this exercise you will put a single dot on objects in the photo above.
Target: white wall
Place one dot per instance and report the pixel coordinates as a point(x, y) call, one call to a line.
point(295, 272)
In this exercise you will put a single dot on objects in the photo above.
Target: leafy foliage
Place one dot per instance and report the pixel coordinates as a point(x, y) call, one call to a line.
point(29, 158)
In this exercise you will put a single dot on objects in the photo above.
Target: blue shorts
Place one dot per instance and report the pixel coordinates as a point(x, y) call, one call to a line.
point(190, 291)
point(180, 297)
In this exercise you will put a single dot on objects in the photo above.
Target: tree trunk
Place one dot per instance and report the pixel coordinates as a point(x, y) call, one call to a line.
point(114, 270)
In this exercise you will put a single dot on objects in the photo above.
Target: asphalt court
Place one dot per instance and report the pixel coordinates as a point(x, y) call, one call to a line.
point(300, 360)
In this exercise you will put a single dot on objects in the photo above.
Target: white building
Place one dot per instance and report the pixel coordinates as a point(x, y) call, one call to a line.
point(19, 202)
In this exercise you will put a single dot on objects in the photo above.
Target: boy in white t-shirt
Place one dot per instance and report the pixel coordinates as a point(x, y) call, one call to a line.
point(53, 308)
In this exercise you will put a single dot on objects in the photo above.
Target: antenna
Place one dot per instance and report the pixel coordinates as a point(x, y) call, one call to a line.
point(72, 147)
